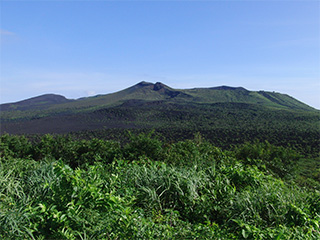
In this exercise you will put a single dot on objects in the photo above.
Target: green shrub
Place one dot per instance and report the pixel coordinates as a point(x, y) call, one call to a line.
point(143, 145)
point(278, 160)
point(14, 146)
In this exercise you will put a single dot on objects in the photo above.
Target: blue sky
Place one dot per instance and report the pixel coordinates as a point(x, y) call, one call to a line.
point(82, 48)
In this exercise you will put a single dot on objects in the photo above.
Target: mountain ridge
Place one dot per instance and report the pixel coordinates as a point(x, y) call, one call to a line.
point(148, 105)
point(158, 91)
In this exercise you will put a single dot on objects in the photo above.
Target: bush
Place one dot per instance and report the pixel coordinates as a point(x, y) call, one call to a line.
point(143, 146)
point(14, 146)
point(278, 160)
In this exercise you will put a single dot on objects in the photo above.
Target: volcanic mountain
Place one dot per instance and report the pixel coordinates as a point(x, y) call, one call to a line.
point(153, 106)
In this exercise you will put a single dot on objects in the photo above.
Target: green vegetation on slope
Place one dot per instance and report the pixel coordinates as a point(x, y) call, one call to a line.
point(53, 104)
point(224, 115)
point(146, 188)
point(223, 124)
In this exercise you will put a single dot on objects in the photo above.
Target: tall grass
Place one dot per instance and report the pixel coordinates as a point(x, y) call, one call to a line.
point(196, 191)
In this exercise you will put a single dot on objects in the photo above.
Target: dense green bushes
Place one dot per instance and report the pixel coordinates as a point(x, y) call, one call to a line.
point(73, 152)
point(59, 188)
point(279, 160)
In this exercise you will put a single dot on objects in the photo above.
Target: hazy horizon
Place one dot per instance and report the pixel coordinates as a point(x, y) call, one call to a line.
point(81, 48)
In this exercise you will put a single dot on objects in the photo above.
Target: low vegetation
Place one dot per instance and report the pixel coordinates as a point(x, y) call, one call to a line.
point(149, 188)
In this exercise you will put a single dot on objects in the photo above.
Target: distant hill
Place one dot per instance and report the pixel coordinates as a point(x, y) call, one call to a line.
point(229, 114)
point(40, 102)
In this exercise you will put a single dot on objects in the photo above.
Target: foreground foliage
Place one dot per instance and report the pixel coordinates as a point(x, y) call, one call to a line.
point(58, 188)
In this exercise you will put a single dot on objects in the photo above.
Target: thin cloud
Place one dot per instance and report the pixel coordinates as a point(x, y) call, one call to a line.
point(6, 33)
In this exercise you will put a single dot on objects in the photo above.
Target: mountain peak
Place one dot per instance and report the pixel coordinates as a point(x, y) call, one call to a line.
point(155, 86)
point(142, 89)
point(158, 85)
point(143, 84)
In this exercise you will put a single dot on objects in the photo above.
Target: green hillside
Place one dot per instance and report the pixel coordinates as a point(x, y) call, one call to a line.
point(158, 91)
point(35, 103)
point(225, 115)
